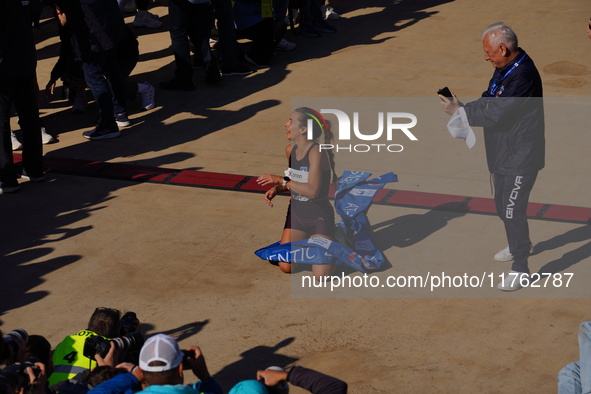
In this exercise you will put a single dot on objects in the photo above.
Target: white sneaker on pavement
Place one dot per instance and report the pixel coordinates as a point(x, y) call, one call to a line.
point(329, 13)
point(46, 138)
point(514, 281)
point(505, 254)
point(16, 144)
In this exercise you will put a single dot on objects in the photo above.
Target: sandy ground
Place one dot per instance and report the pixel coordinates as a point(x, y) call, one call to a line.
point(182, 257)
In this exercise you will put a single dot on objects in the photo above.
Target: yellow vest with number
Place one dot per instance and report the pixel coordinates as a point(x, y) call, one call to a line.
point(68, 357)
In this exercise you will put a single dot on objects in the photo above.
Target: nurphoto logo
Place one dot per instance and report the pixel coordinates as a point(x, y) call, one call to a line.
point(394, 124)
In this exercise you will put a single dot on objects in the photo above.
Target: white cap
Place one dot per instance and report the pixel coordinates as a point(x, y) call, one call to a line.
point(161, 348)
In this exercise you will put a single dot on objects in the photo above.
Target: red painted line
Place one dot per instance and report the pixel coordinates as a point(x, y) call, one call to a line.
point(137, 173)
point(533, 208)
point(565, 212)
point(485, 205)
point(380, 195)
point(252, 185)
point(207, 179)
point(413, 199)
point(430, 200)
point(107, 170)
point(74, 166)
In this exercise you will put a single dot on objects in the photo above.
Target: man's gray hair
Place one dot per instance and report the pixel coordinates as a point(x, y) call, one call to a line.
point(500, 33)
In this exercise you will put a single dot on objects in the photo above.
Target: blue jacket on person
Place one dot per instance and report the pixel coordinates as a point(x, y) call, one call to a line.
point(127, 383)
point(513, 119)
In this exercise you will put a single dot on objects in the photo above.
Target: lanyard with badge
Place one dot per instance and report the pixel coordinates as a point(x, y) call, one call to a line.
point(496, 83)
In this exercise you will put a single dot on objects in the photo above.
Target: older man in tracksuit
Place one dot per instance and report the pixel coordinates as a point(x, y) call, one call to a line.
point(512, 113)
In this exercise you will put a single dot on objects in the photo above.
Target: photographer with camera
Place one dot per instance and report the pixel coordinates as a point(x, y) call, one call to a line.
point(79, 352)
point(160, 371)
point(25, 377)
point(87, 379)
point(23, 372)
point(13, 346)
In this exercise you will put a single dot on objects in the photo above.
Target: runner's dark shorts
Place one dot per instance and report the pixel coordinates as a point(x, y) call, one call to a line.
point(311, 217)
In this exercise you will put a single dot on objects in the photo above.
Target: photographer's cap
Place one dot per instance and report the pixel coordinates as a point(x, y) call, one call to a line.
point(161, 348)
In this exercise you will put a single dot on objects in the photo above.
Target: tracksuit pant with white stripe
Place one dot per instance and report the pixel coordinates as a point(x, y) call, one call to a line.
point(511, 199)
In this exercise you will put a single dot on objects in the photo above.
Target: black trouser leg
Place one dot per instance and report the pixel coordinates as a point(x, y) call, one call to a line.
point(511, 198)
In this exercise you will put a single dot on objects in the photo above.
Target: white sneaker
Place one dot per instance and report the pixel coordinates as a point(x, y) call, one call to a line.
point(143, 19)
point(329, 13)
point(285, 45)
point(46, 138)
point(513, 281)
point(16, 144)
point(505, 254)
point(146, 93)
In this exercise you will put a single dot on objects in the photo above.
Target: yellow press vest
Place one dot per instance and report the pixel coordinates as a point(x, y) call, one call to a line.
point(267, 8)
point(68, 357)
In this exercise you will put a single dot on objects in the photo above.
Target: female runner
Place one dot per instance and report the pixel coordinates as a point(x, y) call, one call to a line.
point(311, 171)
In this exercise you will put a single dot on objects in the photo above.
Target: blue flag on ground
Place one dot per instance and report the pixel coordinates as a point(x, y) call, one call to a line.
point(353, 246)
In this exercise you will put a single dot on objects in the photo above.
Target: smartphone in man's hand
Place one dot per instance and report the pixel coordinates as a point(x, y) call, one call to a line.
point(446, 93)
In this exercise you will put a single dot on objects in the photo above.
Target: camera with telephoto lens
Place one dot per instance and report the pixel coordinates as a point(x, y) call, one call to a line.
point(16, 376)
point(10, 341)
point(129, 323)
point(99, 345)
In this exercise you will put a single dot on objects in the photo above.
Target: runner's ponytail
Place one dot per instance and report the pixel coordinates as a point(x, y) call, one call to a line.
point(320, 125)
